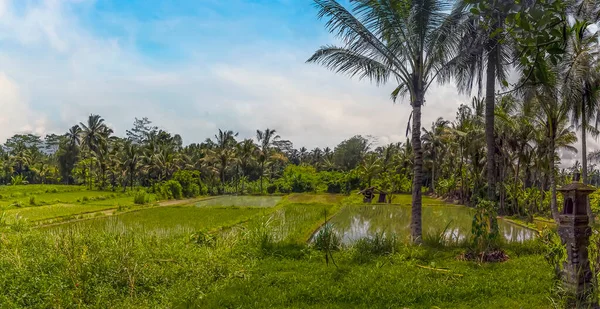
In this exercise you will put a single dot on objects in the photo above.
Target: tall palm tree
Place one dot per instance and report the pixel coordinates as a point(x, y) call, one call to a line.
point(93, 135)
point(409, 41)
point(433, 144)
point(487, 59)
point(265, 139)
point(581, 77)
point(74, 136)
point(224, 152)
point(245, 153)
point(130, 161)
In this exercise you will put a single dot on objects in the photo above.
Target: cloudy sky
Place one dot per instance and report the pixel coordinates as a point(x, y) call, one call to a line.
point(191, 66)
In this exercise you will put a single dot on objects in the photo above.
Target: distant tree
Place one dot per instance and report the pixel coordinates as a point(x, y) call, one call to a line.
point(349, 153)
point(265, 140)
point(141, 130)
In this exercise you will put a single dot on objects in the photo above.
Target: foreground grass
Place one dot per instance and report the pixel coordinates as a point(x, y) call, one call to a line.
point(129, 268)
point(154, 258)
point(395, 281)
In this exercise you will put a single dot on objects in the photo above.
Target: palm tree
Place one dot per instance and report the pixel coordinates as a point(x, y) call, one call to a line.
point(93, 135)
point(74, 136)
point(224, 152)
point(409, 41)
point(581, 77)
point(245, 153)
point(553, 117)
point(488, 56)
point(265, 140)
point(433, 144)
point(130, 161)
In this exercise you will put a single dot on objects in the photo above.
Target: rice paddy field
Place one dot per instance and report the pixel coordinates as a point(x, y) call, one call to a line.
point(244, 252)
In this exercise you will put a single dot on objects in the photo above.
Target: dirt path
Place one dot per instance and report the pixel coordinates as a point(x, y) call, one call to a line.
point(113, 212)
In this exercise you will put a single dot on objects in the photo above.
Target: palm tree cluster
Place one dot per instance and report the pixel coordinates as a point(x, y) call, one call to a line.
point(552, 46)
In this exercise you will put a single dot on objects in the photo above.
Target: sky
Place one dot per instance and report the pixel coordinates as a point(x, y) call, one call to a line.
point(192, 67)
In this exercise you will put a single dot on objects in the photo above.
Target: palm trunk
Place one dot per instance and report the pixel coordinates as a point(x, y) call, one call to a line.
point(262, 172)
point(433, 173)
point(490, 90)
point(416, 225)
point(553, 203)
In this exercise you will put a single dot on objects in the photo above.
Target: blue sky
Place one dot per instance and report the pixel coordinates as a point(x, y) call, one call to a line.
point(191, 66)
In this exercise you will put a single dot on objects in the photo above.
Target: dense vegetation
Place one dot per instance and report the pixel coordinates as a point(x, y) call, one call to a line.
point(500, 154)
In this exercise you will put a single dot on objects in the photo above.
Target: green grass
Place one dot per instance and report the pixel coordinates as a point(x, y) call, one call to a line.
point(179, 217)
point(389, 282)
point(153, 258)
point(50, 212)
point(315, 198)
point(240, 201)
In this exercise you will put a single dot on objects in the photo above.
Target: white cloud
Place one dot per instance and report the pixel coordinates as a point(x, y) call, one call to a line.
point(15, 114)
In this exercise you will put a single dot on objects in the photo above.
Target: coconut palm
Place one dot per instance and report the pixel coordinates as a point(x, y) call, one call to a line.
point(487, 58)
point(130, 161)
point(433, 143)
point(581, 78)
point(408, 41)
point(94, 134)
point(265, 140)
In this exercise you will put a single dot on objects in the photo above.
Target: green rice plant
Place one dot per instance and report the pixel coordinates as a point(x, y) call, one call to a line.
point(32, 200)
point(85, 199)
point(17, 204)
point(379, 244)
point(327, 239)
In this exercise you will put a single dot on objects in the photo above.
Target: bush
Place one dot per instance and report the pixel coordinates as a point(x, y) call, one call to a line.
point(85, 198)
point(298, 179)
point(168, 190)
point(271, 188)
point(32, 201)
point(189, 181)
point(141, 198)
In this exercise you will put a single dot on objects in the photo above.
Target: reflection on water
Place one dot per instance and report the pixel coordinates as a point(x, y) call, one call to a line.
point(356, 222)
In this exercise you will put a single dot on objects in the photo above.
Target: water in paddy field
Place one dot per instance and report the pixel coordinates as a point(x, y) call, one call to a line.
point(240, 201)
point(356, 222)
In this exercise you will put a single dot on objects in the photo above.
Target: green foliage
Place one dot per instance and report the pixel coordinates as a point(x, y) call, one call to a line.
point(271, 188)
point(348, 154)
point(379, 244)
point(298, 179)
point(485, 226)
point(32, 201)
point(332, 181)
point(141, 198)
point(554, 251)
point(168, 190)
point(17, 180)
point(189, 181)
point(327, 239)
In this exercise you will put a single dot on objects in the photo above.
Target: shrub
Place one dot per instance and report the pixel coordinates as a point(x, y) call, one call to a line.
point(17, 180)
point(271, 188)
point(141, 198)
point(32, 200)
point(189, 181)
point(298, 179)
point(85, 198)
point(168, 190)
